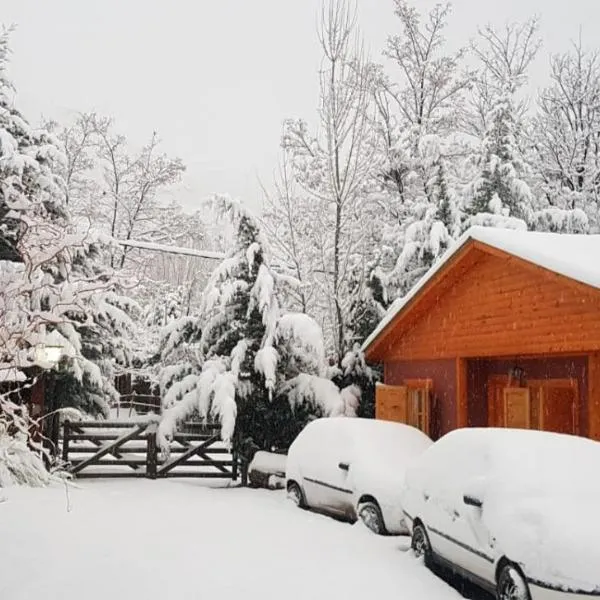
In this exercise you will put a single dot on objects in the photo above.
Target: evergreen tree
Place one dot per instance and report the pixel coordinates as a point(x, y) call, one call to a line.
point(432, 224)
point(257, 369)
point(500, 187)
point(29, 185)
point(100, 329)
point(369, 302)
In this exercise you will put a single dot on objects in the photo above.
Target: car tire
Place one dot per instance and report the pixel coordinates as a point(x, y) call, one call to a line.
point(370, 514)
point(295, 494)
point(420, 544)
point(511, 584)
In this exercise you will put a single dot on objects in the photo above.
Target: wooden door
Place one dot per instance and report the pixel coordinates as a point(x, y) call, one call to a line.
point(555, 406)
point(391, 403)
point(508, 406)
point(516, 408)
point(495, 394)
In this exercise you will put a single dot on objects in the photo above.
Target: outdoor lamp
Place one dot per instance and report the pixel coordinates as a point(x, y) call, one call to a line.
point(47, 356)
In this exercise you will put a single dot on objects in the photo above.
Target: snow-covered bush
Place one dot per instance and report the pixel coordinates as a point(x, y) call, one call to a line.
point(21, 459)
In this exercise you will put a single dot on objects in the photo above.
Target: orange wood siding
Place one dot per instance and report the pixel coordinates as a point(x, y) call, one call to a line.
point(500, 306)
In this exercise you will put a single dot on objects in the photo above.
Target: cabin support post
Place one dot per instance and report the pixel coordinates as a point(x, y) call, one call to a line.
point(594, 396)
point(462, 412)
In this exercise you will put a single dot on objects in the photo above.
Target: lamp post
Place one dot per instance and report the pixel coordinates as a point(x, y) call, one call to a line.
point(47, 357)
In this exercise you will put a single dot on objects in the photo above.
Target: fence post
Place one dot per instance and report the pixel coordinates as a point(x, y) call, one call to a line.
point(151, 451)
point(244, 473)
point(234, 471)
point(66, 435)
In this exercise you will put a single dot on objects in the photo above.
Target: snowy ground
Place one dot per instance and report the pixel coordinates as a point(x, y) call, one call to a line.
point(178, 539)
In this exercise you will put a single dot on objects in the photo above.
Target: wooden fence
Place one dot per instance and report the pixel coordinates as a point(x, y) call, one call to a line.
point(129, 449)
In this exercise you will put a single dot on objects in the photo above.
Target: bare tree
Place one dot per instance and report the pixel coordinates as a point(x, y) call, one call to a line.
point(112, 187)
point(284, 221)
point(431, 85)
point(505, 56)
point(566, 132)
point(337, 167)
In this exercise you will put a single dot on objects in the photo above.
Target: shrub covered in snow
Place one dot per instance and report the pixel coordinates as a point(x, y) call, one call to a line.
point(21, 459)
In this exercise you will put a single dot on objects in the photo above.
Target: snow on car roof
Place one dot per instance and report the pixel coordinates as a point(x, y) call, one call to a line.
point(532, 448)
point(374, 434)
point(573, 255)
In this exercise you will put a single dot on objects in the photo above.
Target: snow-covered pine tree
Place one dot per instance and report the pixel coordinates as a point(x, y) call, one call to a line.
point(29, 159)
point(237, 323)
point(369, 302)
point(253, 367)
point(499, 193)
point(100, 332)
point(432, 224)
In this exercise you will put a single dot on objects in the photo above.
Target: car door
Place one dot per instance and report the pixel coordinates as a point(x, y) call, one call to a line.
point(455, 529)
point(326, 478)
point(466, 541)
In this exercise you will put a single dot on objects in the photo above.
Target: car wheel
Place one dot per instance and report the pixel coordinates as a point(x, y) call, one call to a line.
point(370, 514)
point(420, 543)
point(511, 584)
point(295, 494)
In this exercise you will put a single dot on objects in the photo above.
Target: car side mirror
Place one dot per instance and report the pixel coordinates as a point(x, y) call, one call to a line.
point(472, 501)
point(344, 466)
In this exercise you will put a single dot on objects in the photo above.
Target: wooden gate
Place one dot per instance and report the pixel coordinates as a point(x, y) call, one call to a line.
point(93, 449)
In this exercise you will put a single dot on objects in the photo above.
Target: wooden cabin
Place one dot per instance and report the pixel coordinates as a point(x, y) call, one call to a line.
point(504, 331)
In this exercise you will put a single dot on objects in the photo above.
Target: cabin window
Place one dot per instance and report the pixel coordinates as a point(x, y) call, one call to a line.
point(419, 404)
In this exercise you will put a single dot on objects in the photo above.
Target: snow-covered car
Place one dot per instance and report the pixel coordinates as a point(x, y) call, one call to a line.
point(515, 511)
point(267, 470)
point(354, 468)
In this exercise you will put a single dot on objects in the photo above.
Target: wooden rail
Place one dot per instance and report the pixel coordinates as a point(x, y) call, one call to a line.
point(94, 449)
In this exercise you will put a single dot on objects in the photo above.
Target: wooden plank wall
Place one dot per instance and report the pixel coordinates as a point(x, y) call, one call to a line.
point(501, 307)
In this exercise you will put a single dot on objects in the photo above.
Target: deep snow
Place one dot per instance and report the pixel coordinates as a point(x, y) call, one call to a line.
point(159, 540)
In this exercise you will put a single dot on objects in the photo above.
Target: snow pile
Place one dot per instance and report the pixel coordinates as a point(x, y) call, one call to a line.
point(255, 534)
point(269, 462)
point(19, 464)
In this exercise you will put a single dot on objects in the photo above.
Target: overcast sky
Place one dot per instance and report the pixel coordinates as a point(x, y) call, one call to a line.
point(216, 78)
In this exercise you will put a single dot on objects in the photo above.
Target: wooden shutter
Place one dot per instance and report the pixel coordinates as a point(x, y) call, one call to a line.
point(517, 408)
point(391, 403)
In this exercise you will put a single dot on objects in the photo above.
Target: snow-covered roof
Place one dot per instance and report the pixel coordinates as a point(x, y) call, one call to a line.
point(572, 255)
